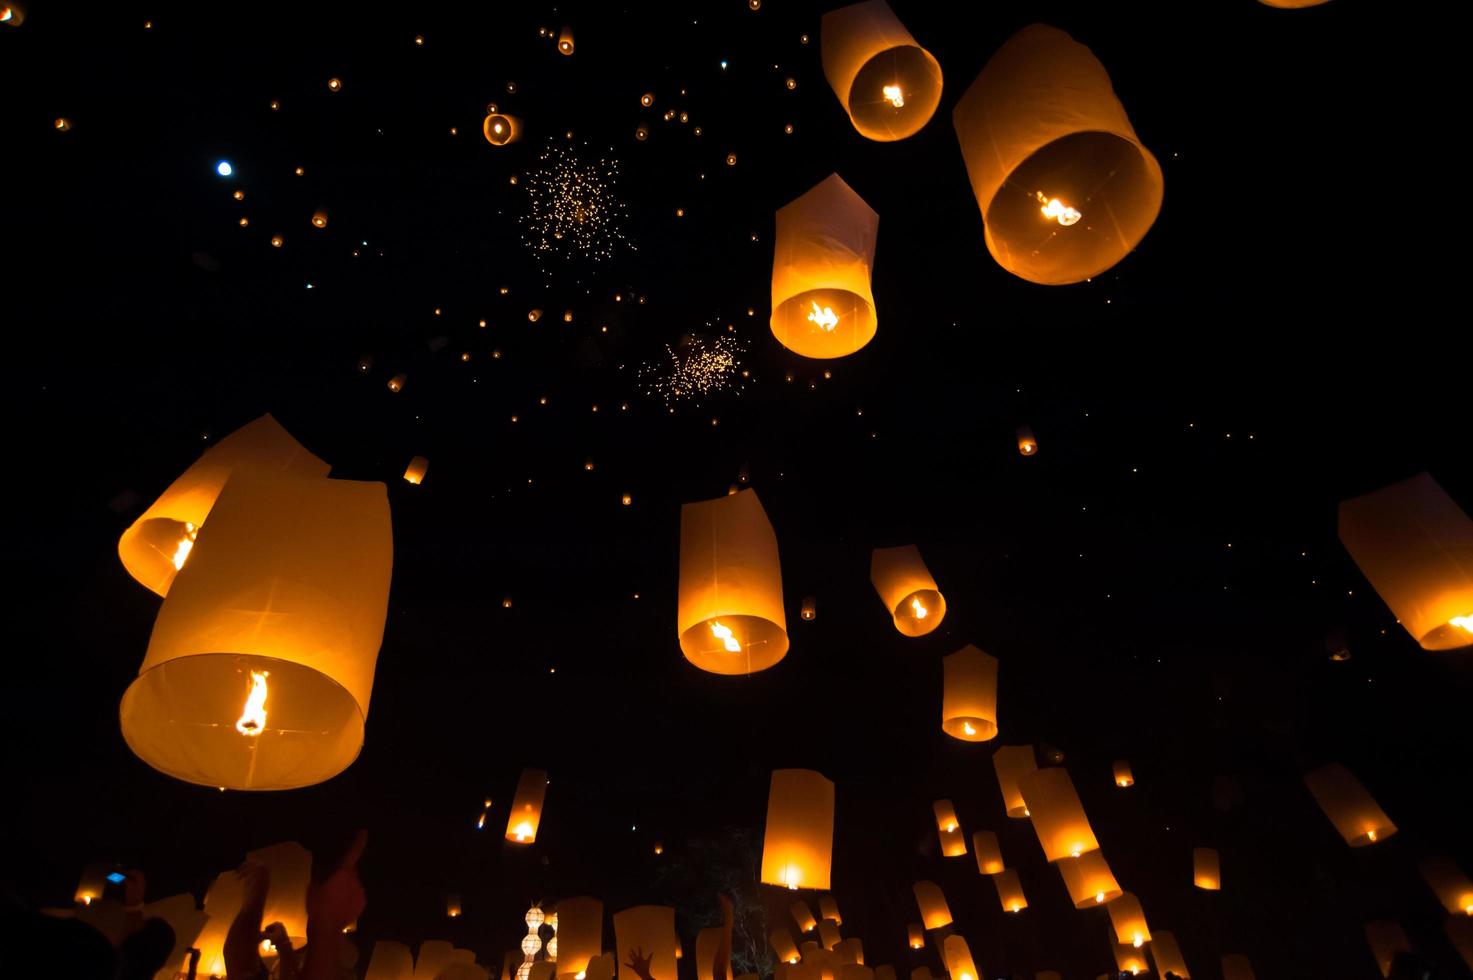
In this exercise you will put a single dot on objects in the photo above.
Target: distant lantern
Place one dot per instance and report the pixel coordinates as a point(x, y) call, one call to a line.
point(828, 934)
point(565, 41)
point(1206, 873)
point(1129, 959)
point(957, 957)
point(1167, 956)
point(969, 695)
point(1065, 186)
point(533, 315)
point(1123, 776)
point(1129, 920)
point(916, 933)
point(797, 848)
point(156, 545)
point(319, 218)
point(888, 84)
point(782, 944)
point(92, 884)
point(729, 613)
point(907, 589)
point(1350, 808)
point(1415, 546)
point(809, 609)
point(1010, 890)
point(647, 99)
point(803, 916)
point(1386, 939)
point(415, 471)
point(335, 84)
point(260, 667)
point(935, 913)
point(1089, 880)
point(62, 124)
point(828, 908)
point(651, 929)
point(989, 854)
point(276, 241)
point(396, 383)
point(1058, 816)
point(1235, 966)
point(823, 256)
point(526, 807)
point(1027, 445)
point(501, 129)
point(14, 14)
point(580, 935)
point(452, 906)
point(953, 840)
point(1012, 763)
point(1452, 886)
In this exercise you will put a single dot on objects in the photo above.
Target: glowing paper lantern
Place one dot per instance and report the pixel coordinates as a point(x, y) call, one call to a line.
point(1415, 546)
point(1010, 890)
point(887, 83)
point(1235, 966)
point(396, 383)
point(1129, 920)
point(907, 589)
point(601, 967)
point(650, 928)
point(730, 610)
point(1453, 888)
point(809, 610)
point(1065, 187)
point(1123, 777)
point(828, 908)
point(260, 667)
point(1129, 959)
point(565, 41)
point(390, 961)
point(580, 935)
point(953, 842)
point(850, 951)
point(500, 128)
point(156, 545)
point(969, 695)
point(822, 305)
point(1386, 939)
point(319, 218)
point(526, 807)
point(1058, 816)
point(92, 884)
point(798, 846)
point(916, 934)
point(708, 944)
point(989, 854)
point(1012, 763)
point(1166, 954)
point(782, 944)
point(1027, 445)
point(828, 934)
point(958, 958)
point(935, 913)
point(290, 866)
point(452, 906)
point(1206, 873)
point(802, 916)
point(1350, 808)
point(1088, 880)
point(415, 471)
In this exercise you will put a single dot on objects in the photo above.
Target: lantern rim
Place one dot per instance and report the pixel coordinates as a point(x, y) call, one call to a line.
point(497, 139)
point(876, 119)
point(956, 728)
point(907, 622)
point(792, 328)
point(764, 644)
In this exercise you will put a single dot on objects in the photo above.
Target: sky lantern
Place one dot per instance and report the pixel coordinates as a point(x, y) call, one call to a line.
point(526, 807)
point(500, 128)
point(989, 854)
point(803, 916)
point(782, 944)
point(260, 667)
point(907, 589)
point(969, 695)
point(580, 935)
point(1415, 546)
point(1129, 920)
point(319, 218)
point(958, 958)
point(887, 83)
point(157, 544)
point(92, 884)
point(290, 866)
point(828, 908)
point(1235, 966)
point(1350, 808)
point(1088, 879)
point(1206, 872)
point(828, 934)
point(935, 913)
point(809, 610)
point(1453, 888)
point(953, 839)
point(850, 951)
point(823, 255)
point(1129, 959)
point(650, 928)
point(390, 960)
point(1065, 187)
point(1386, 938)
point(730, 611)
point(1010, 890)
point(1058, 816)
point(1166, 954)
point(415, 471)
point(1012, 763)
point(916, 935)
point(1123, 777)
point(396, 383)
point(565, 41)
point(452, 906)
point(798, 846)
point(1027, 445)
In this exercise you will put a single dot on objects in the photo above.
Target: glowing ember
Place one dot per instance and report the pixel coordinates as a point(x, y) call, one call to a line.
point(920, 612)
point(824, 318)
point(186, 545)
point(1058, 210)
point(894, 96)
point(253, 718)
point(723, 633)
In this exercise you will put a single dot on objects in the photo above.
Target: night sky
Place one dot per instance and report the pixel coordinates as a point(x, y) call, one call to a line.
point(1158, 581)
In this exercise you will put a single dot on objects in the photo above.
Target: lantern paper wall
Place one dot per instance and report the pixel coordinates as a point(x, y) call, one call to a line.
point(1206, 873)
point(935, 913)
point(855, 971)
point(916, 935)
point(887, 83)
point(1010, 890)
point(1350, 808)
point(810, 950)
point(803, 916)
point(390, 961)
point(651, 928)
point(1012, 763)
point(580, 935)
point(601, 967)
point(969, 695)
point(798, 845)
point(1166, 954)
point(1129, 959)
point(157, 544)
point(907, 589)
point(1235, 966)
point(958, 958)
point(850, 950)
point(1088, 879)
point(1292, 4)
point(1058, 816)
point(1415, 546)
point(782, 944)
point(452, 906)
point(828, 908)
point(1123, 776)
point(526, 807)
point(1065, 187)
point(822, 305)
point(828, 933)
point(260, 667)
point(708, 944)
point(1027, 445)
point(885, 972)
point(1386, 939)
point(1453, 888)
point(1129, 920)
point(730, 616)
point(416, 470)
point(989, 854)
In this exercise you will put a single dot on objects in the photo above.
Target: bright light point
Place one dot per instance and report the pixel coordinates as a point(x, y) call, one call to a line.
point(1099, 898)
point(186, 545)
point(968, 729)
point(1463, 622)
point(253, 717)
point(224, 169)
point(921, 612)
point(894, 96)
point(723, 66)
point(951, 827)
point(723, 633)
point(1058, 210)
point(1076, 851)
point(1371, 834)
point(824, 318)
point(523, 831)
point(1138, 942)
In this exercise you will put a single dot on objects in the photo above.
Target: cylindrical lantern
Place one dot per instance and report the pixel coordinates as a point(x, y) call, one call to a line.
point(1065, 186)
point(1235, 966)
point(1415, 546)
point(935, 913)
point(1206, 871)
point(989, 854)
point(415, 471)
point(708, 945)
point(945, 816)
point(1012, 763)
point(500, 128)
point(850, 950)
point(260, 667)
point(810, 609)
point(798, 846)
point(1350, 808)
point(822, 305)
point(1167, 956)
point(1129, 959)
point(1386, 939)
point(828, 934)
point(651, 929)
point(289, 865)
point(452, 906)
point(730, 611)
point(390, 961)
point(782, 944)
point(319, 218)
point(916, 933)
point(1027, 445)
point(1058, 816)
point(1123, 776)
point(1453, 888)
point(526, 807)
point(828, 908)
point(1010, 890)
point(580, 935)
point(803, 916)
point(1088, 879)
point(969, 695)
point(565, 41)
point(92, 884)
point(887, 83)
point(1129, 920)
point(156, 545)
point(907, 589)
point(396, 383)
point(958, 958)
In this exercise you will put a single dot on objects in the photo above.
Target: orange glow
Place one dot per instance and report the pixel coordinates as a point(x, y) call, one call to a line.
point(1058, 210)
point(918, 608)
point(1462, 622)
point(335, 84)
point(186, 545)
point(723, 633)
point(894, 96)
point(253, 718)
point(824, 318)
point(524, 831)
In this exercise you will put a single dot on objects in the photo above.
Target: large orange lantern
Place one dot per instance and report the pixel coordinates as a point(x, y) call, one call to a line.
point(452, 906)
point(828, 908)
point(1386, 938)
point(580, 935)
point(1206, 869)
point(887, 83)
point(798, 846)
point(730, 612)
point(782, 944)
point(953, 844)
point(969, 695)
point(1415, 546)
point(1350, 808)
point(822, 305)
point(803, 916)
point(156, 545)
point(260, 667)
point(1453, 888)
point(1129, 920)
point(828, 934)
point(1167, 955)
point(650, 928)
point(526, 807)
point(935, 913)
point(989, 854)
point(1235, 966)
point(1010, 890)
point(1065, 186)
point(1012, 763)
point(957, 956)
point(1088, 879)
point(907, 589)
point(1058, 816)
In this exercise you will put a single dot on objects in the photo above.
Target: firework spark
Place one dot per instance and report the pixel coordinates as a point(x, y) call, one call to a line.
point(573, 212)
point(698, 368)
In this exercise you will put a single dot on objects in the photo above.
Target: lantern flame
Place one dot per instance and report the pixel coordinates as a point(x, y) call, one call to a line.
point(951, 826)
point(253, 718)
point(824, 318)
point(1076, 850)
point(967, 727)
point(523, 831)
point(481, 822)
point(1463, 622)
point(1371, 834)
point(1058, 210)
point(723, 633)
point(791, 876)
point(918, 609)
point(1099, 898)
point(1138, 942)
point(894, 96)
point(186, 545)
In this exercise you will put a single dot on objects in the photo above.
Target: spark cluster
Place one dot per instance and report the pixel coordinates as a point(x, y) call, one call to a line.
point(698, 368)
point(573, 212)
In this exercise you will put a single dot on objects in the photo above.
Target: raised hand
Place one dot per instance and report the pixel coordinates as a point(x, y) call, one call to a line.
point(640, 963)
point(255, 882)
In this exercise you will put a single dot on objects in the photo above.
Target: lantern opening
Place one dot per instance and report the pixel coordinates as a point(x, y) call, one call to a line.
point(877, 100)
point(919, 612)
point(804, 323)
